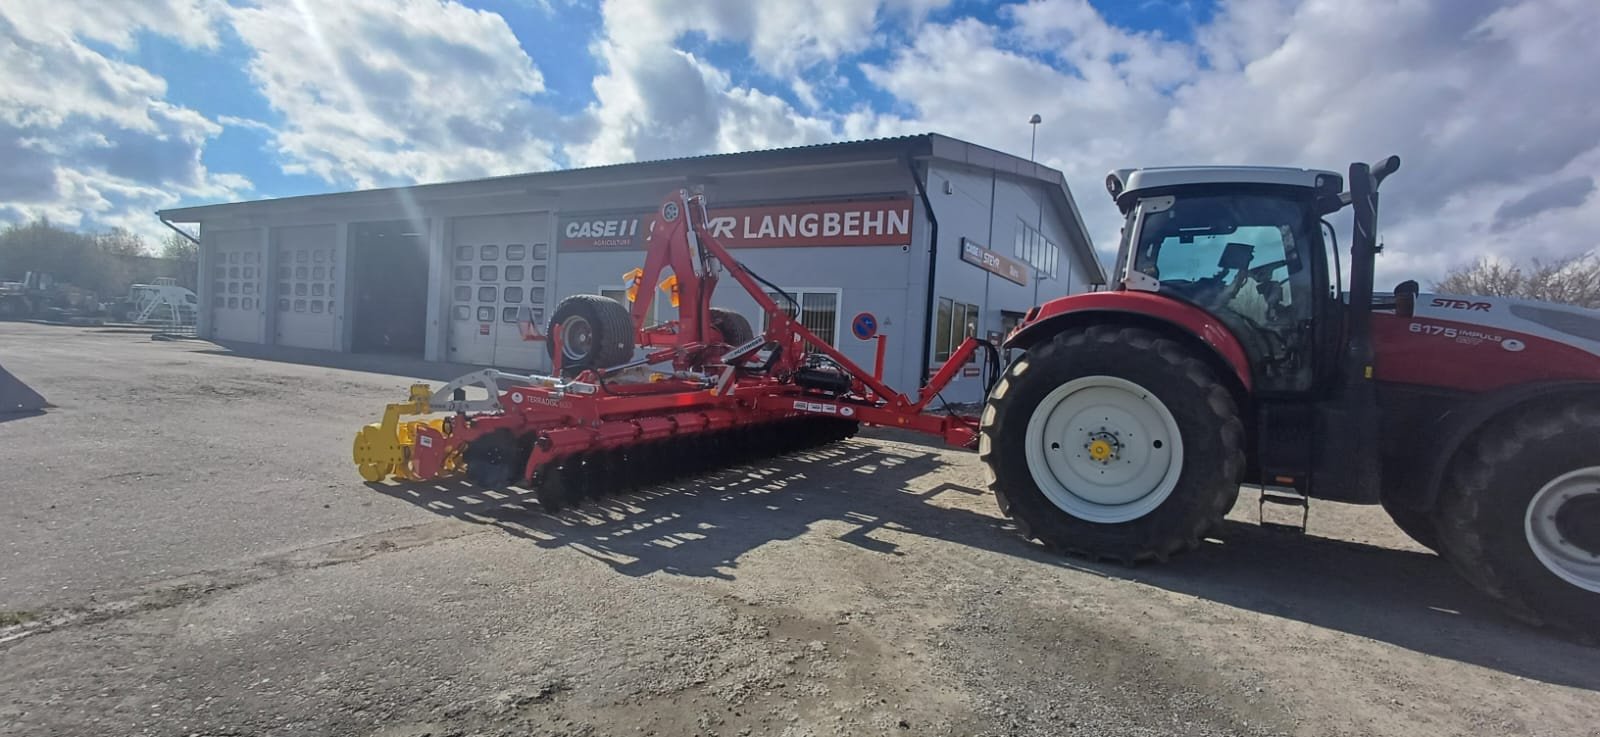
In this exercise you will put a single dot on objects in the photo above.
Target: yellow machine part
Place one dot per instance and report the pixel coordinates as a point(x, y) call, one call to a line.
point(383, 449)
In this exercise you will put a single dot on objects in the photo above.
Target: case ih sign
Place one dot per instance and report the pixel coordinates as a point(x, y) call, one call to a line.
point(870, 223)
point(994, 263)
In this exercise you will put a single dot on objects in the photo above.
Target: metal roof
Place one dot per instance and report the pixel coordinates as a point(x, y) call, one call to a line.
point(916, 147)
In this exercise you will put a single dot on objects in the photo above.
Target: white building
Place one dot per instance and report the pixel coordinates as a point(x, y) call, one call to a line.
point(923, 239)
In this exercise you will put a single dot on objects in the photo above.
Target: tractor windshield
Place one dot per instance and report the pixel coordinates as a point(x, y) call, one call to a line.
point(1244, 257)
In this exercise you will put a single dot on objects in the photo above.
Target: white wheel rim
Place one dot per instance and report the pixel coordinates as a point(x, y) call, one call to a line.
point(1549, 532)
point(1066, 433)
point(577, 338)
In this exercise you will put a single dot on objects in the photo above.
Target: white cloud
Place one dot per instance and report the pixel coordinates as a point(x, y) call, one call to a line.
point(90, 140)
point(1485, 102)
point(1488, 102)
point(656, 100)
point(375, 93)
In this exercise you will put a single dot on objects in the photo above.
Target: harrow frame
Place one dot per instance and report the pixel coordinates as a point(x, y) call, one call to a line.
point(716, 402)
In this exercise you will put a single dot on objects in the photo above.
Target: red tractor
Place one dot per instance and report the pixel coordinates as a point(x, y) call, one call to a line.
point(1229, 353)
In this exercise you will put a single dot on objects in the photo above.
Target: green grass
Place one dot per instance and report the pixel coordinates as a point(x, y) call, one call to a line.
point(10, 618)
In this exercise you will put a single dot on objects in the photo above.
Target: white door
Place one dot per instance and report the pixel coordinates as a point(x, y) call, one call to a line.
point(499, 275)
point(237, 310)
point(309, 263)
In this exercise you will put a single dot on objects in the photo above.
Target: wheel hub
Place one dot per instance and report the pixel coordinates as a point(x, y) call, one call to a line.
point(1104, 449)
point(576, 338)
point(1103, 446)
point(1578, 521)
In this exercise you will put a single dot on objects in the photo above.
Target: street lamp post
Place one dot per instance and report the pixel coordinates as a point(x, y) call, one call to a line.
point(1034, 121)
point(1032, 149)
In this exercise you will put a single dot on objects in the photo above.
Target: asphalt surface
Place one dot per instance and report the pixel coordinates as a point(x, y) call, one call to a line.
point(186, 549)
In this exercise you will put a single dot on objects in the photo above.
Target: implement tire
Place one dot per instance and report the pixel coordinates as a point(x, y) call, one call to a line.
point(734, 328)
point(1113, 443)
point(1519, 516)
point(596, 332)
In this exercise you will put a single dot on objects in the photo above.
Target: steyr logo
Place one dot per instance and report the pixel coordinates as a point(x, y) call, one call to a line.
point(1461, 304)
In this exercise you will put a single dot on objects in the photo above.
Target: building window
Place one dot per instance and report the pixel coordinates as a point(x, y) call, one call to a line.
point(514, 273)
point(516, 252)
point(954, 323)
point(541, 250)
point(464, 253)
point(1033, 248)
point(819, 311)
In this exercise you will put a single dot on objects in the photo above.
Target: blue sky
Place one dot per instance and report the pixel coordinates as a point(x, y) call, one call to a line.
point(110, 111)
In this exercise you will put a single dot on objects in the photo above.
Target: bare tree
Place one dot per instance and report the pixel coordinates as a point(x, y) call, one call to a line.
point(1573, 281)
point(179, 248)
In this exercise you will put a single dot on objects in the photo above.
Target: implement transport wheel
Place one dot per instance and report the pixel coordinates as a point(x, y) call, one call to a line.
point(1519, 516)
point(734, 328)
point(1113, 443)
point(596, 332)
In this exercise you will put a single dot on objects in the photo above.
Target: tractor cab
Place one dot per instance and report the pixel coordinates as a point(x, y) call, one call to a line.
point(1245, 245)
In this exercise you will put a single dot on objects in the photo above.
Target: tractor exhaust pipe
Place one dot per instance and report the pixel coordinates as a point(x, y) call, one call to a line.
point(1347, 458)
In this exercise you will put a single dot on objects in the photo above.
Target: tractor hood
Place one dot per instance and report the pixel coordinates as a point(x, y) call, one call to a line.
point(1474, 344)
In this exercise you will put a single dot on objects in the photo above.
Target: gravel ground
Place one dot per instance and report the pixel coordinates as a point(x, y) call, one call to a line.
point(186, 550)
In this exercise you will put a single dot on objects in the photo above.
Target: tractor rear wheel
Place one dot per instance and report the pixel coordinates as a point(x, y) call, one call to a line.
point(1113, 443)
point(1520, 516)
point(596, 332)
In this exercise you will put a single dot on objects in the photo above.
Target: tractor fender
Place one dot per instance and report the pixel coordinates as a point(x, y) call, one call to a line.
point(1458, 425)
point(1141, 308)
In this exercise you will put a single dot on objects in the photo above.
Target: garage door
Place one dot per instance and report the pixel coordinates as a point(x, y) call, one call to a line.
point(237, 311)
point(500, 269)
point(309, 270)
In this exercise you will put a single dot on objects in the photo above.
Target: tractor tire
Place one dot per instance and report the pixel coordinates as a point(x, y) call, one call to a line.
point(1416, 524)
point(1519, 516)
point(596, 332)
point(734, 328)
point(1150, 424)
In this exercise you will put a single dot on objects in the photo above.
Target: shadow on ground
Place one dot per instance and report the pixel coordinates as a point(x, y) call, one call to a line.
point(372, 363)
point(701, 527)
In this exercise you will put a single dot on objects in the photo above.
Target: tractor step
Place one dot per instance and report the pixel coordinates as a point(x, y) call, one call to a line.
point(1286, 499)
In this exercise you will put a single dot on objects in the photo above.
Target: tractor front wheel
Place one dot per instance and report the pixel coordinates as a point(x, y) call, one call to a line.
point(1520, 517)
point(1113, 443)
